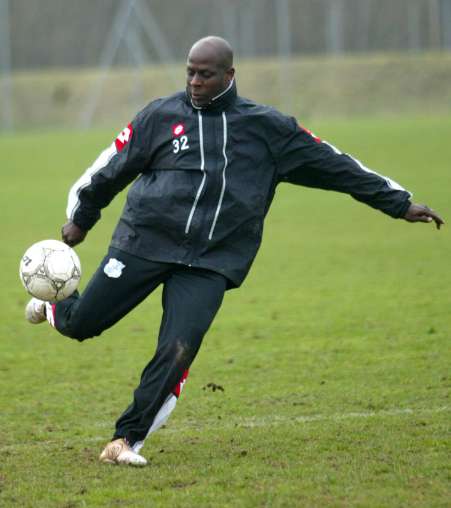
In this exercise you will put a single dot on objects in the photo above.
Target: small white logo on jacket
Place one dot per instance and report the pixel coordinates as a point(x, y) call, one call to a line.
point(114, 268)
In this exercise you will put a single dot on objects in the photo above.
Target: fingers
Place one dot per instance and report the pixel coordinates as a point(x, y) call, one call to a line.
point(69, 241)
point(66, 237)
point(422, 218)
point(422, 213)
point(71, 234)
point(438, 221)
point(431, 215)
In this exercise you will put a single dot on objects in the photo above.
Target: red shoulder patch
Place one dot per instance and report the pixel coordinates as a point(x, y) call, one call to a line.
point(124, 137)
point(314, 136)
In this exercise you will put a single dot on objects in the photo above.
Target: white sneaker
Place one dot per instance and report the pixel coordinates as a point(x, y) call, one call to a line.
point(35, 311)
point(119, 452)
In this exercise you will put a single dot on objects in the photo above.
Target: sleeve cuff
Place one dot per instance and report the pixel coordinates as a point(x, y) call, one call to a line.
point(403, 210)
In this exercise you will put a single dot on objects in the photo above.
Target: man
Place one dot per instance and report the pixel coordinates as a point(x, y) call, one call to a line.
point(205, 165)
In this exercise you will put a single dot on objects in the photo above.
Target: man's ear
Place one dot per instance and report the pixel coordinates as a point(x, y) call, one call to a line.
point(230, 73)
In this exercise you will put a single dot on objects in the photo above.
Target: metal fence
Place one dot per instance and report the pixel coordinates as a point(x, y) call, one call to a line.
point(63, 33)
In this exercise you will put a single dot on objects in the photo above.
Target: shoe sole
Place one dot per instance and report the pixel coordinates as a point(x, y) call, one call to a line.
point(114, 463)
point(108, 461)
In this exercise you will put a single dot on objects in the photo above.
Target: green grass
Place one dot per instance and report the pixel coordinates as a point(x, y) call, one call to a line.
point(334, 355)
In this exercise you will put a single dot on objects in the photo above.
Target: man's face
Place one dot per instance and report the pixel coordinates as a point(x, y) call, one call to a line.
point(206, 79)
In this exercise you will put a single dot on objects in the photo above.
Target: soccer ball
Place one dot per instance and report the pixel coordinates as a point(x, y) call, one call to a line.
point(50, 270)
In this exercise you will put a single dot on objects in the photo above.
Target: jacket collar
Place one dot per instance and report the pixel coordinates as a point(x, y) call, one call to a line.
point(220, 102)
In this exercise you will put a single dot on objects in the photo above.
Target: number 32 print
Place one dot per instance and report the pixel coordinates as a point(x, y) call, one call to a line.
point(180, 144)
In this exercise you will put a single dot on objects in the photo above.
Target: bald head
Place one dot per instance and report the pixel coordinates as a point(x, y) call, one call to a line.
point(209, 69)
point(212, 48)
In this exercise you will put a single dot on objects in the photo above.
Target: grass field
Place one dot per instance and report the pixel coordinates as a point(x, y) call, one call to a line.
point(333, 357)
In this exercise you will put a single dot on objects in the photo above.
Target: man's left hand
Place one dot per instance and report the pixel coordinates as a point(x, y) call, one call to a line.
point(422, 213)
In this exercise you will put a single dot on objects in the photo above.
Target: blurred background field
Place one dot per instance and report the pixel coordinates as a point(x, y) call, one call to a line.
point(321, 87)
point(334, 356)
point(83, 64)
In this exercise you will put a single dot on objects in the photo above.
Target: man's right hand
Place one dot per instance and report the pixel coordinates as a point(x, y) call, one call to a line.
point(72, 234)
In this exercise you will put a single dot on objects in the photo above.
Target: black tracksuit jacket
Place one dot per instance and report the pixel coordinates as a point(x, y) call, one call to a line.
point(204, 180)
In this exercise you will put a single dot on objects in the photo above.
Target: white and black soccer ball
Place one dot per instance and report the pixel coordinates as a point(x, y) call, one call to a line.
point(50, 270)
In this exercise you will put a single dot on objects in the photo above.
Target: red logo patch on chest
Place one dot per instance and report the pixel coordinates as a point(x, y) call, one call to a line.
point(178, 129)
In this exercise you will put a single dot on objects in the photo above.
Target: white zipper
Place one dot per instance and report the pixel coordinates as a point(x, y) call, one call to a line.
point(202, 168)
point(221, 197)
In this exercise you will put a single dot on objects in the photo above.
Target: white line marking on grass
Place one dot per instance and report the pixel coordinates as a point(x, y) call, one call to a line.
point(266, 421)
point(284, 420)
point(274, 420)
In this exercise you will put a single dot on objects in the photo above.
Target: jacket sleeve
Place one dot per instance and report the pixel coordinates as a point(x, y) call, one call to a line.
point(304, 159)
point(110, 173)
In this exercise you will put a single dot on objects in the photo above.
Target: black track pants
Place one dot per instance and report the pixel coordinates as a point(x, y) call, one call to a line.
point(191, 299)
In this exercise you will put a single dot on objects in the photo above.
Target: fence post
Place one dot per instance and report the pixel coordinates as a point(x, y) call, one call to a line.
point(115, 36)
point(413, 26)
point(334, 27)
point(445, 17)
point(434, 24)
point(284, 51)
point(6, 89)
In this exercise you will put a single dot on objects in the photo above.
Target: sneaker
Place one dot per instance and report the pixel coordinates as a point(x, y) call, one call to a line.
point(35, 311)
point(119, 452)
